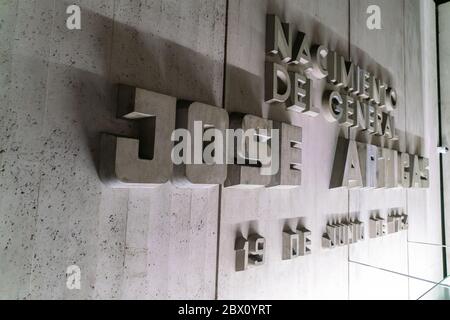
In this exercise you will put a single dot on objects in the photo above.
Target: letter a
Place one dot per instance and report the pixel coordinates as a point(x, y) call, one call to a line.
point(346, 169)
point(74, 20)
point(374, 20)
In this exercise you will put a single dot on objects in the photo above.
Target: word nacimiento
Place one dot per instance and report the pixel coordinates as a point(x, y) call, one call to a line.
point(353, 97)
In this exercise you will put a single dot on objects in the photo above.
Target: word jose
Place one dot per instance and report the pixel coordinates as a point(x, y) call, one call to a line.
point(211, 146)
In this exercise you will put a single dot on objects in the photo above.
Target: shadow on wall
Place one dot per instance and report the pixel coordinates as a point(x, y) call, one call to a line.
point(138, 59)
point(151, 62)
point(53, 209)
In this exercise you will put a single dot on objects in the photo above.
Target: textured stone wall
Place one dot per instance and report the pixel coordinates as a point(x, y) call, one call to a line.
point(58, 93)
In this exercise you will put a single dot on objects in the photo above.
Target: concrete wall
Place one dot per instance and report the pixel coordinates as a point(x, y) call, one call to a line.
point(444, 52)
point(58, 94)
point(401, 52)
point(58, 90)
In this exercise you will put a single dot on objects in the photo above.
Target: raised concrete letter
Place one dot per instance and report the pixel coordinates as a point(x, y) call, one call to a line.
point(248, 170)
point(199, 119)
point(346, 168)
point(290, 155)
point(146, 161)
